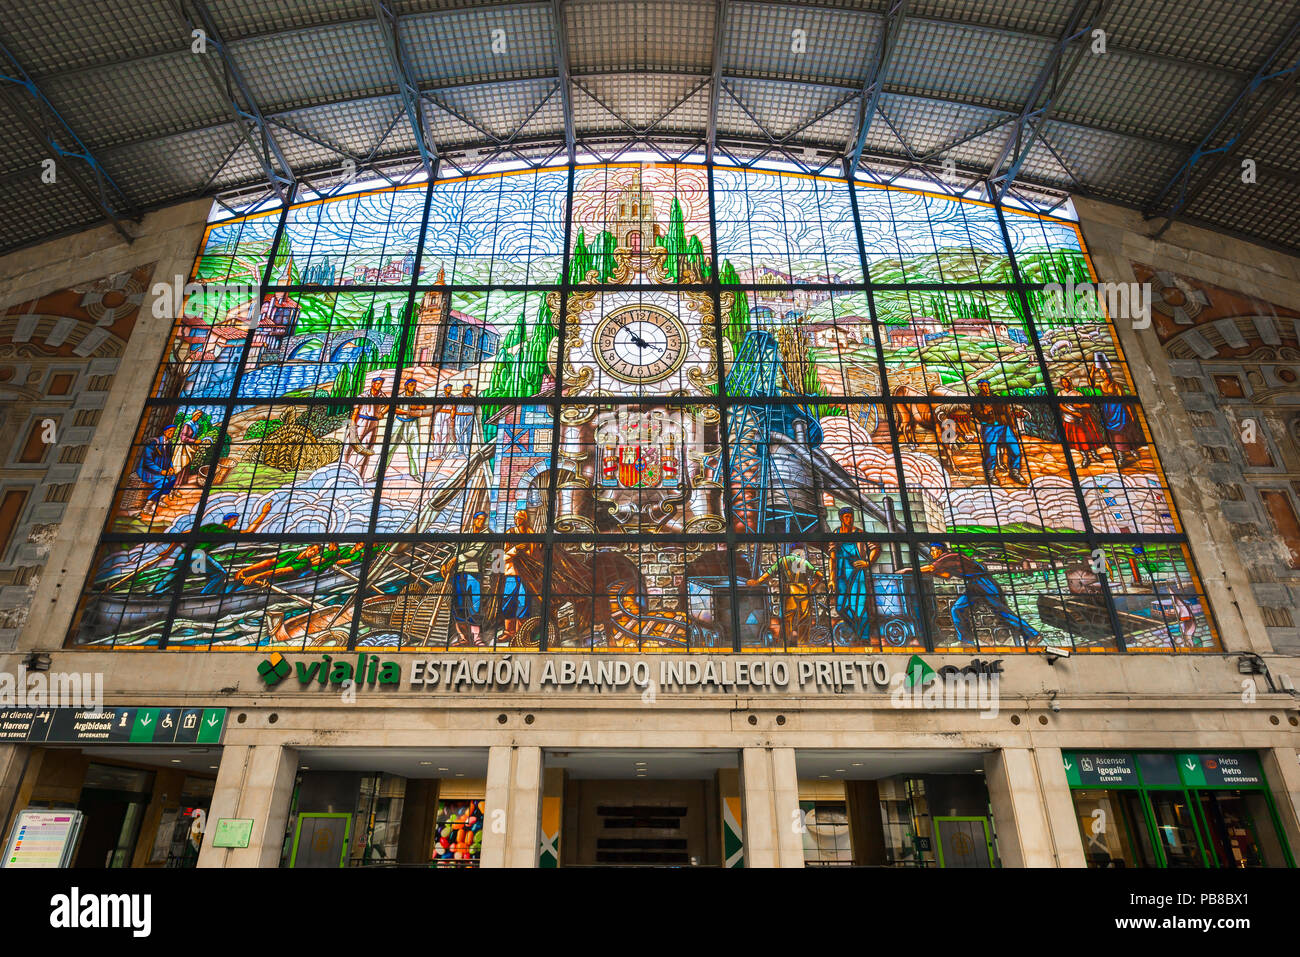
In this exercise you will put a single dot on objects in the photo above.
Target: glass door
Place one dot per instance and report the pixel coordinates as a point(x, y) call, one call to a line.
point(1175, 829)
point(1239, 829)
point(1113, 826)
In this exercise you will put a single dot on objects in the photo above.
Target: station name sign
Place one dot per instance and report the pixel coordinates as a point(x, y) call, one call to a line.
point(646, 674)
point(641, 674)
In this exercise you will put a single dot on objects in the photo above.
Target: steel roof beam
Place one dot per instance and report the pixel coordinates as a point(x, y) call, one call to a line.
point(883, 54)
point(1238, 113)
point(715, 78)
point(562, 70)
point(53, 130)
point(407, 88)
point(1051, 78)
point(247, 116)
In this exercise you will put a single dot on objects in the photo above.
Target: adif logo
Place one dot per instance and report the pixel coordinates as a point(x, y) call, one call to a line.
point(972, 687)
point(1123, 300)
point(75, 910)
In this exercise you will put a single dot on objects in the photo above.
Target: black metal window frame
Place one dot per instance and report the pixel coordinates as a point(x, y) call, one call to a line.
point(555, 402)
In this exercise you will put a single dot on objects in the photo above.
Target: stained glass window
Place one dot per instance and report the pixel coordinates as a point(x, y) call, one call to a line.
point(644, 407)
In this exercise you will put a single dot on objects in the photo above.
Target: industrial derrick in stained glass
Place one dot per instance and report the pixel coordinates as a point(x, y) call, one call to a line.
point(643, 408)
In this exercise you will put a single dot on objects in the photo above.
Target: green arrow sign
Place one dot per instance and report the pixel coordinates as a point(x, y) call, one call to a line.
point(210, 725)
point(1190, 770)
point(146, 722)
point(1071, 769)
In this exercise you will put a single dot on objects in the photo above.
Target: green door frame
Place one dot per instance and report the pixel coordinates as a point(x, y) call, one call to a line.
point(297, 833)
point(938, 841)
point(1209, 857)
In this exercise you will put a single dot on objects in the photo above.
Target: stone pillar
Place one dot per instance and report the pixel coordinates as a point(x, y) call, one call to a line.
point(514, 785)
point(1061, 821)
point(254, 781)
point(770, 786)
point(1019, 814)
point(13, 763)
point(1282, 770)
point(866, 829)
point(167, 785)
point(419, 815)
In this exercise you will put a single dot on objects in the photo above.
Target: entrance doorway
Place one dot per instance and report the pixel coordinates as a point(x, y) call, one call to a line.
point(661, 808)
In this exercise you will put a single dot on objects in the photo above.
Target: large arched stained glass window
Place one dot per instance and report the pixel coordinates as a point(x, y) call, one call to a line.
point(644, 408)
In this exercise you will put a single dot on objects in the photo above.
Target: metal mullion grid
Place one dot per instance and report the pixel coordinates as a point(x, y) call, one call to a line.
point(403, 337)
point(194, 536)
point(767, 538)
point(729, 527)
point(927, 630)
point(558, 402)
point(557, 405)
point(1059, 424)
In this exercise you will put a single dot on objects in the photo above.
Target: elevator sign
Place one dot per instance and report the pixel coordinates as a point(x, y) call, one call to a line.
point(1218, 770)
point(1085, 769)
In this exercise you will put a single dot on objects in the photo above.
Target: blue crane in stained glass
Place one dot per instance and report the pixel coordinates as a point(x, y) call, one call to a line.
point(758, 373)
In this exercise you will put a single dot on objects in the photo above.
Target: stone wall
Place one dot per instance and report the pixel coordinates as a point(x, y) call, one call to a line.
point(1218, 370)
point(79, 345)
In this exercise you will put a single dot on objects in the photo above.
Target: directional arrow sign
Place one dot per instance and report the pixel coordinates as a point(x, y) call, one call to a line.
point(1219, 769)
point(211, 725)
point(1190, 770)
point(145, 721)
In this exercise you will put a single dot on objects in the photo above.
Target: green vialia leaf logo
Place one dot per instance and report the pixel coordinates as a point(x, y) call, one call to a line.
point(917, 671)
point(274, 669)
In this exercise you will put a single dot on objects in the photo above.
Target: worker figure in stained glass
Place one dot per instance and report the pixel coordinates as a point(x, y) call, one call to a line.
point(997, 422)
point(1123, 433)
point(464, 418)
point(442, 430)
point(468, 570)
point(155, 465)
point(407, 435)
point(851, 576)
point(1081, 432)
point(980, 588)
point(796, 579)
point(293, 563)
point(184, 443)
point(363, 428)
point(202, 561)
point(518, 601)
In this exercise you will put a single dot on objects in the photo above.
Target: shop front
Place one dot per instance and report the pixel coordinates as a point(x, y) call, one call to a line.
point(1175, 809)
point(141, 808)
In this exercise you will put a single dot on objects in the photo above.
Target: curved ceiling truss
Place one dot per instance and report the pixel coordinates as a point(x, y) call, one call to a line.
point(142, 103)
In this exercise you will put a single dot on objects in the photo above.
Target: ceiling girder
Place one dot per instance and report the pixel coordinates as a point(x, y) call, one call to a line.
point(406, 85)
point(243, 108)
point(1272, 73)
point(53, 131)
point(882, 56)
point(1051, 79)
point(562, 71)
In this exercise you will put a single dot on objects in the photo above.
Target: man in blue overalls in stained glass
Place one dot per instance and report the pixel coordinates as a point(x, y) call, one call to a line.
point(855, 598)
point(997, 422)
point(980, 587)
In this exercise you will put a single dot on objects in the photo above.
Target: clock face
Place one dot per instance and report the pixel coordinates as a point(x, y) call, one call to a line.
point(640, 344)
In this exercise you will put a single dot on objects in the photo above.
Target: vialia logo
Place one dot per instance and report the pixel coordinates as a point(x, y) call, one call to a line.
point(368, 670)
